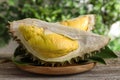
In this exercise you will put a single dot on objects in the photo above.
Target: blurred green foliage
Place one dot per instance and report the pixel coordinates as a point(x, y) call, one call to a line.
point(107, 12)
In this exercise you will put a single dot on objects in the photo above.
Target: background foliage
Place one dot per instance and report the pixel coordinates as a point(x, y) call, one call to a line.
point(107, 12)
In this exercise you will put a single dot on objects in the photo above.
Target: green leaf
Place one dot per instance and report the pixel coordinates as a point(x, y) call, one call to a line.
point(106, 53)
point(103, 54)
point(97, 59)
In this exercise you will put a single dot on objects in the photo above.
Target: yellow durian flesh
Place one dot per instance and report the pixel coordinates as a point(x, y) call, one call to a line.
point(47, 45)
point(84, 22)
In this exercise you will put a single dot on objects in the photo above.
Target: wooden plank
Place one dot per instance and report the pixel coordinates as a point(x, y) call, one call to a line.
point(111, 71)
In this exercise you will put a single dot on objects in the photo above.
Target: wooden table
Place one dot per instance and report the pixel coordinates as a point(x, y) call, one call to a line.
point(111, 71)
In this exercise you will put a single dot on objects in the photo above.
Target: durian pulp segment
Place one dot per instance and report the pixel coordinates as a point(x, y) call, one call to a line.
point(84, 22)
point(47, 45)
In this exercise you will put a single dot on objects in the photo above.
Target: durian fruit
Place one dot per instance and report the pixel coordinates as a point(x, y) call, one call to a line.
point(53, 44)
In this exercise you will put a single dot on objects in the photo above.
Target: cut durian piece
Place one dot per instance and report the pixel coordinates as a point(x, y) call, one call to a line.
point(82, 42)
point(50, 45)
point(84, 22)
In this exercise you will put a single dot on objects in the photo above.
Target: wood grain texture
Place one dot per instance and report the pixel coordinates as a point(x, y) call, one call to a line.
point(111, 71)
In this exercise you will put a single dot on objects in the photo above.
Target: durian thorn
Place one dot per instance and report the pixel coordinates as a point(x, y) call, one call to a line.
point(76, 60)
point(58, 64)
point(66, 62)
point(15, 37)
point(39, 62)
point(94, 53)
point(26, 54)
point(80, 58)
point(53, 64)
point(31, 58)
point(99, 51)
point(8, 25)
point(83, 57)
point(10, 33)
point(34, 59)
point(62, 63)
point(90, 54)
point(42, 62)
point(46, 65)
point(69, 61)
point(19, 42)
point(72, 60)
point(24, 48)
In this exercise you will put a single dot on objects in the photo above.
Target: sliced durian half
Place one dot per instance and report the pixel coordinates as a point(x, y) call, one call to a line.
point(52, 42)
